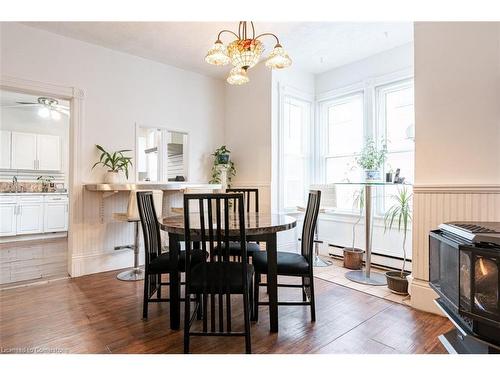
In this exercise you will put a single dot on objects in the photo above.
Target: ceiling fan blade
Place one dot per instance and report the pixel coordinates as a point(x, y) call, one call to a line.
point(61, 110)
point(21, 105)
point(27, 103)
point(61, 106)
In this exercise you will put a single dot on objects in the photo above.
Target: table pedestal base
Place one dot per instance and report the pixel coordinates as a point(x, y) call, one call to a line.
point(134, 274)
point(360, 277)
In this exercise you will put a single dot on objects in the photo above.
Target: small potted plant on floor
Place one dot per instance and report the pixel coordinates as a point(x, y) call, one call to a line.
point(353, 257)
point(116, 162)
point(372, 159)
point(399, 216)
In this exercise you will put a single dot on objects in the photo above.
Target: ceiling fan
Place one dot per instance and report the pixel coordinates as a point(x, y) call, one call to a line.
point(49, 107)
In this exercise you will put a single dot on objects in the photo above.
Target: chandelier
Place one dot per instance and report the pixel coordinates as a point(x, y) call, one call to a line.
point(244, 53)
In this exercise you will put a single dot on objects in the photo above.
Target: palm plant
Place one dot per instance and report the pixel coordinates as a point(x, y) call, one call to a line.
point(400, 215)
point(114, 161)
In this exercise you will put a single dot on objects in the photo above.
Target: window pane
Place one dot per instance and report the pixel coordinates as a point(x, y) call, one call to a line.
point(295, 139)
point(399, 119)
point(343, 169)
point(404, 161)
point(345, 126)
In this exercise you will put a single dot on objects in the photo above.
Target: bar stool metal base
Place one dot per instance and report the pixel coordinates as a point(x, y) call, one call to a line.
point(135, 274)
point(318, 262)
point(360, 277)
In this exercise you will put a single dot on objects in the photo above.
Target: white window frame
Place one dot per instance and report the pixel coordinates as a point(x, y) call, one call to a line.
point(369, 88)
point(286, 92)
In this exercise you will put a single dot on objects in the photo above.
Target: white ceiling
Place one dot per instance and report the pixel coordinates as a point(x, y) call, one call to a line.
point(314, 47)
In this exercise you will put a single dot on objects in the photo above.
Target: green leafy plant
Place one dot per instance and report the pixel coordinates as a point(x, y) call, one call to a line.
point(114, 161)
point(45, 181)
point(371, 157)
point(216, 173)
point(400, 216)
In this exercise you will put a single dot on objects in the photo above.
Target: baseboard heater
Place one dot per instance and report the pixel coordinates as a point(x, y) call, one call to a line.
point(378, 265)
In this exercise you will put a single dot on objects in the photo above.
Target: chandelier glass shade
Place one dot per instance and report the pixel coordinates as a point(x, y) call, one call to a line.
point(217, 55)
point(244, 53)
point(238, 76)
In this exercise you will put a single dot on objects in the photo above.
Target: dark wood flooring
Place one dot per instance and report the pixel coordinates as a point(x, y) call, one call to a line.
point(100, 314)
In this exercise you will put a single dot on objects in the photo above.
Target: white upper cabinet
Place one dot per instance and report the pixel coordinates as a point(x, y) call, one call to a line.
point(48, 152)
point(5, 149)
point(35, 152)
point(24, 151)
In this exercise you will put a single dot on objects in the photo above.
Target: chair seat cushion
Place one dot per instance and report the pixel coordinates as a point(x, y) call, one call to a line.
point(288, 263)
point(161, 264)
point(235, 248)
point(219, 277)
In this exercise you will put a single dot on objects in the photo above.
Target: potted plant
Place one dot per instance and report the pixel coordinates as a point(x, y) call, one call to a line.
point(353, 257)
point(372, 159)
point(45, 181)
point(221, 157)
point(399, 216)
point(116, 162)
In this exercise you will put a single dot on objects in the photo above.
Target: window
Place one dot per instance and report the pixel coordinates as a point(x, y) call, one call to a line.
point(344, 127)
point(295, 161)
point(396, 124)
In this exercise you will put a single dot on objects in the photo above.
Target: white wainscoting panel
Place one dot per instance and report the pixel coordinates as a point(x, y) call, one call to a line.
point(433, 205)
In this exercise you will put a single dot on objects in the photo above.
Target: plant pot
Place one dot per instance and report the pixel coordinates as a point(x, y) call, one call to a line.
point(353, 258)
point(372, 175)
point(113, 177)
point(397, 284)
point(223, 159)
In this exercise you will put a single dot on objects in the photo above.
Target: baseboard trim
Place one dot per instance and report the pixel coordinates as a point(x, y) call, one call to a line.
point(422, 297)
point(109, 261)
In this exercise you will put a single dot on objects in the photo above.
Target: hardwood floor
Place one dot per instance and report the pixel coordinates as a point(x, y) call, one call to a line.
point(100, 314)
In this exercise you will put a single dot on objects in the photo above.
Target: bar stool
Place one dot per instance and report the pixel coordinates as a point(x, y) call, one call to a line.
point(132, 216)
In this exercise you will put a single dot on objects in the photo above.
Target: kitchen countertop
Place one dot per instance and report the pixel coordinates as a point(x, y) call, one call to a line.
point(35, 193)
point(151, 186)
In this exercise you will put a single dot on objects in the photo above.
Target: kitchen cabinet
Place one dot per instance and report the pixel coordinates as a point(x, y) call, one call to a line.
point(35, 151)
point(5, 151)
point(8, 209)
point(48, 152)
point(23, 151)
point(30, 215)
point(33, 214)
point(55, 214)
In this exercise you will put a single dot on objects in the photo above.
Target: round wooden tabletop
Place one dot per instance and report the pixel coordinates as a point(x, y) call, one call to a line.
point(256, 223)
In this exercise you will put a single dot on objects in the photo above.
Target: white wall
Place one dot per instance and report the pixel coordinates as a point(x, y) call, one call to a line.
point(120, 91)
point(248, 132)
point(457, 97)
point(394, 60)
point(457, 130)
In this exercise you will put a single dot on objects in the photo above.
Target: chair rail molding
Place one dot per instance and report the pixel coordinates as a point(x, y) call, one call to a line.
point(434, 204)
point(76, 98)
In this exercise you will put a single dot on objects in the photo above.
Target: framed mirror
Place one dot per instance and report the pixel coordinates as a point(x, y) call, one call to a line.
point(161, 154)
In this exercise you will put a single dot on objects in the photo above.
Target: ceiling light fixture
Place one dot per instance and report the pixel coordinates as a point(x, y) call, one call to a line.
point(244, 53)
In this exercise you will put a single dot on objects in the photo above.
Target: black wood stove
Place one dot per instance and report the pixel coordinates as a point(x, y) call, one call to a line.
point(464, 269)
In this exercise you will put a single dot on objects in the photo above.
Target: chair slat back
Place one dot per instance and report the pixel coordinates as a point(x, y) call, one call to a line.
point(247, 195)
point(310, 221)
point(150, 225)
point(215, 223)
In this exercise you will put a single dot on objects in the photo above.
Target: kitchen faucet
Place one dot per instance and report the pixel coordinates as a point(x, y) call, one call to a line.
point(15, 184)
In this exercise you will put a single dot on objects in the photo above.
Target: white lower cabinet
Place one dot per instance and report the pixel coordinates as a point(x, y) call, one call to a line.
point(8, 219)
point(56, 215)
point(33, 214)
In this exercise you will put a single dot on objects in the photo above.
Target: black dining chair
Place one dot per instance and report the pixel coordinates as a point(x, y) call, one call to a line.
point(235, 246)
point(293, 264)
point(218, 277)
point(157, 263)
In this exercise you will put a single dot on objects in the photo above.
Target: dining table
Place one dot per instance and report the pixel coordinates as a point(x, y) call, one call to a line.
point(259, 227)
